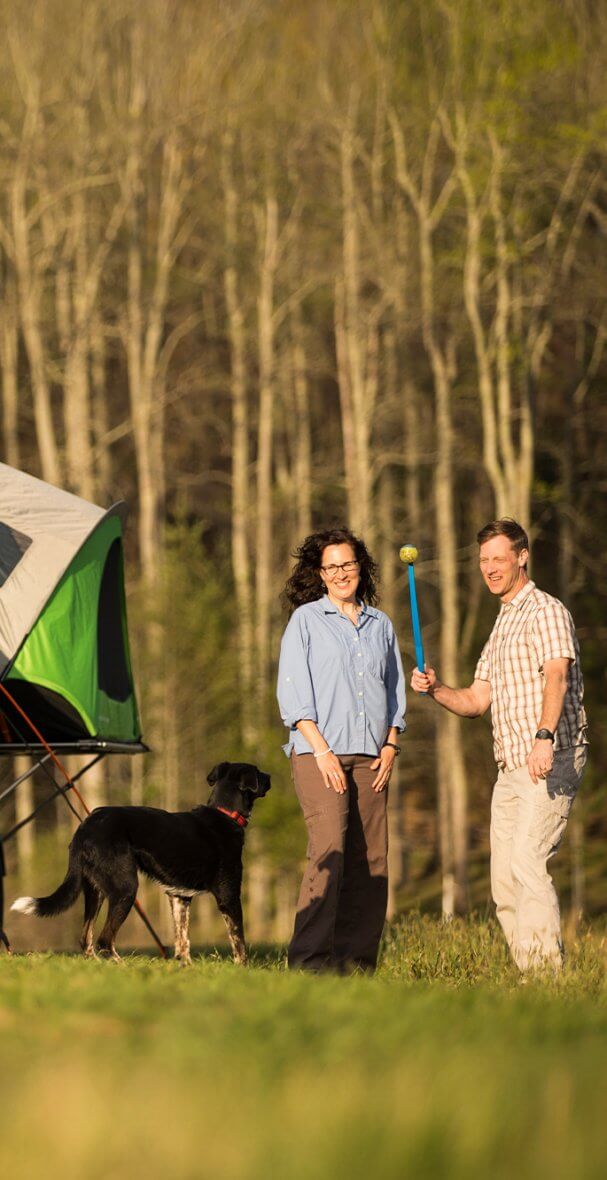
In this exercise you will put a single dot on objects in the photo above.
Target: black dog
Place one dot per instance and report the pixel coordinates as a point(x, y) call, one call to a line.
point(187, 852)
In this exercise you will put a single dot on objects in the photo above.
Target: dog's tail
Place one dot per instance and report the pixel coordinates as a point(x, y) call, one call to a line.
point(60, 900)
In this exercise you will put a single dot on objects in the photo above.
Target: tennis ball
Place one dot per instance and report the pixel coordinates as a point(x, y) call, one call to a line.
point(408, 554)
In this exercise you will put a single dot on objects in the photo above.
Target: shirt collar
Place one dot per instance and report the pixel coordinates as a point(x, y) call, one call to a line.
point(519, 598)
point(327, 608)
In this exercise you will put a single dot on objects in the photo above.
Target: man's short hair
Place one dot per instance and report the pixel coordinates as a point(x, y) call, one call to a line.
point(507, 527)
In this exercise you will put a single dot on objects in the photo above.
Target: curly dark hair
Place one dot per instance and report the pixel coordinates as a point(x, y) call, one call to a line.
point(306, 584)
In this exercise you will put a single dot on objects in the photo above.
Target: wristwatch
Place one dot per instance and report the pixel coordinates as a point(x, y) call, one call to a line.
point(393, 746)
point(544, 735)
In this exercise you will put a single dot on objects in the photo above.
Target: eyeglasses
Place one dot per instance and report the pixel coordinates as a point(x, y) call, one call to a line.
point(348, 567)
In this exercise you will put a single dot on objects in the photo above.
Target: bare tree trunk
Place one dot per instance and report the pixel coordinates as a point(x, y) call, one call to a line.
point(8, 364)
point(357, 346)
point(268, 239)
point(24, 805)
point(146, 311)
point(88, 262)
point(136, 776)
point(450, 749)
point(395, 802)
point(241, 517)
point(78, 451)
point(93, 783)
point(450, 765)
point(285, 893)
point(345, 399)
point(258, 892)
point(303, 441)
point(413, 499)
point(29, 280)
point(99, 414)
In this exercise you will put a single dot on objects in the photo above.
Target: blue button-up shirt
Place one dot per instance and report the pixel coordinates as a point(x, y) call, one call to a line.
point(348, 679)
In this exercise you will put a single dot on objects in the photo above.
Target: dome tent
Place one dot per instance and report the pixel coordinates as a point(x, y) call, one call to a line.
point(65, 669)
point(64, 651)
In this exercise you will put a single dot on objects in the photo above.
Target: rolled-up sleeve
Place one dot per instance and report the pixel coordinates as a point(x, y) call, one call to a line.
point(483, 667)
point(395, 683)
point(295, 691)
point(553, 633)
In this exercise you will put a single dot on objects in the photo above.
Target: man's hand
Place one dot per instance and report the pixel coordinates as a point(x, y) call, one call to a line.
point(540, 760)
point(426, 681)
point(383, 765)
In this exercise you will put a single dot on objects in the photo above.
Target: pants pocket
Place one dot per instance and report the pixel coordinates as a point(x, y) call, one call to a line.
point(550, 821)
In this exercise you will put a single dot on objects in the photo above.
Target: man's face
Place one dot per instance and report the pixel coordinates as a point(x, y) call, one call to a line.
point(502, 568)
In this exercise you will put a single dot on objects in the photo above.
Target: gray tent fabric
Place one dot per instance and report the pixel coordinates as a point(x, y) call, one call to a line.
point(42, 528)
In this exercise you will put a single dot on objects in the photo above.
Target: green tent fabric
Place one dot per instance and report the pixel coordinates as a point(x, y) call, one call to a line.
point(64, 650)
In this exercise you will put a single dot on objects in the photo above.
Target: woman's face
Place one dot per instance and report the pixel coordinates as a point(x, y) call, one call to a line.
point(340, 583)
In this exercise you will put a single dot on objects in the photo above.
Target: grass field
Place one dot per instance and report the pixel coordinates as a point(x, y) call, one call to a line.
point(443, 1065)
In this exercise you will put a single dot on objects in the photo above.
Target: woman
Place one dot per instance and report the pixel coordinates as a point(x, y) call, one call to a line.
point(341, 692)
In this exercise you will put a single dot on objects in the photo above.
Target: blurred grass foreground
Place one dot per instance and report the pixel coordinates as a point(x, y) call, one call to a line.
point(443, 1065)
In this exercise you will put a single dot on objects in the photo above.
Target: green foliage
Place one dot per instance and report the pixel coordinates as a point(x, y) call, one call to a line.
point(441, 1067)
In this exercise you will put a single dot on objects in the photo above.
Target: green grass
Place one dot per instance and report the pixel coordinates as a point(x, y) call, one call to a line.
point(443, 1065)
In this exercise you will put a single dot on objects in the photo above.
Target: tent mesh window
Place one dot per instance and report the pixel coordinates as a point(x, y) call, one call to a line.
point(13, 545)
point(113, 669)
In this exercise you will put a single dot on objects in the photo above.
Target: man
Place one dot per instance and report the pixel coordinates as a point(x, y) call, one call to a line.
point(529, 672)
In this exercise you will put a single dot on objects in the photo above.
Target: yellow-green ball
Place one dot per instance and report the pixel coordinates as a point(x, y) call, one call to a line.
point(408, 554)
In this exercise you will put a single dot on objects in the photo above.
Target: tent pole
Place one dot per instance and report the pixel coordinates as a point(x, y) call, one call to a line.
point(22, 777)
point(71, 786)
point(58, 791)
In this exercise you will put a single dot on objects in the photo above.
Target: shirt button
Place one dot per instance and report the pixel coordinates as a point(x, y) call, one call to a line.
point(360, 694)
point(360, 673)
point(361, 714)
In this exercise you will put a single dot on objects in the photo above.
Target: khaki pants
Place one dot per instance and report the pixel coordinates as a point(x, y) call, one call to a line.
point(344, 892)
point(528, 821)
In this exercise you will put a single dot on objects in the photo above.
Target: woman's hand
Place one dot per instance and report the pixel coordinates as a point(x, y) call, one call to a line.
point(383, 765)
point(332, 772)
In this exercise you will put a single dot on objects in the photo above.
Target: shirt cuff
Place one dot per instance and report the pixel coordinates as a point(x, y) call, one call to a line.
point(304, 714)
point(559, 654)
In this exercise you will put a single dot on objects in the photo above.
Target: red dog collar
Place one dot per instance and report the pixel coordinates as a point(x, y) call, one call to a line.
point(239, 819)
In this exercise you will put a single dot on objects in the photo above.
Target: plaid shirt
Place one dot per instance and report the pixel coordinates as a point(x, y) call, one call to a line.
point(532, 628)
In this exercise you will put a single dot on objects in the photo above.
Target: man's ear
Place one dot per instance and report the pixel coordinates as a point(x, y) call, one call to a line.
point(217, 772)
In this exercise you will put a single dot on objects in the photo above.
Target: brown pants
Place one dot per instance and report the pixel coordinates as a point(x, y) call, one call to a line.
point(344, 892)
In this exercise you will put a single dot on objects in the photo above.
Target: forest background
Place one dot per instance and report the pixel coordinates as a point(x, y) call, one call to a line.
point(267, 266)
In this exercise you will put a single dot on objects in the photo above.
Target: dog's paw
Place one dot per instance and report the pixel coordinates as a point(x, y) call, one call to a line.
point(25, 905)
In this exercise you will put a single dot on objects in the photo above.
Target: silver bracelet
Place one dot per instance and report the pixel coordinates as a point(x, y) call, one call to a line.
point(323, 752)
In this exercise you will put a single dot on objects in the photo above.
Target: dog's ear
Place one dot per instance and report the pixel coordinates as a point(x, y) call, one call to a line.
point(256, 782)
point(217, 772)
